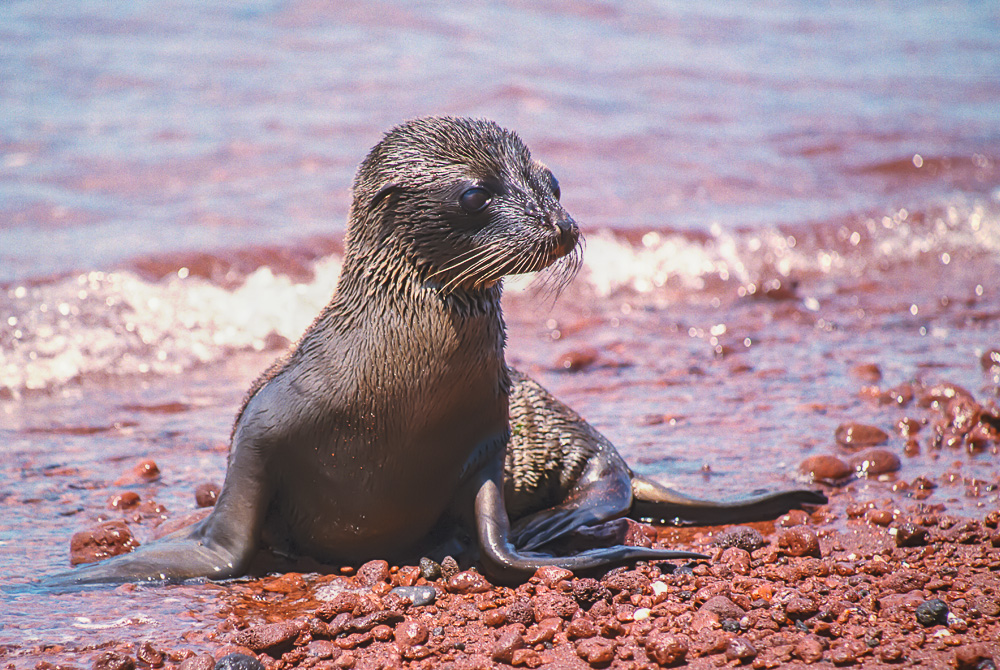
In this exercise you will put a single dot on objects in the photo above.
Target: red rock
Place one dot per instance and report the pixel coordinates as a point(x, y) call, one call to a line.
point(581, 628)
point(795, 517)
point(206, 495)
point(810, 648)
point(800, 608)
point(577, 360)
point(549, 605)
point(860, 435)
point(825, 468)
point(468, 581)
point(199, 662)
point(149, 655)
point(550, 575)
point(372, 573)
point(113, 660)
point(268, 638)
point(520, 611)
point(596, 651)
point(724, 607)
point(144, 472)
point(107, 539)
point(511, 639)
point(411, 633)
point(874, 462)
point(526, 658)
point(800, 541)
point(124, 500)
point(741, 650)
point(867, 372)
point(666, 648)
point(973, 657)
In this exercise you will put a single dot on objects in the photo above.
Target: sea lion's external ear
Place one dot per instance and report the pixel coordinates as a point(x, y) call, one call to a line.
point(382, 192)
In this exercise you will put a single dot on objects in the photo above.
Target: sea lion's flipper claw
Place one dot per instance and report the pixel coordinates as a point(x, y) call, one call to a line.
point(660, 504)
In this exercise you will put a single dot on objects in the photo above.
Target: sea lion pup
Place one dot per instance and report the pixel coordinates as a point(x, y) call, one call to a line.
point(392, 418)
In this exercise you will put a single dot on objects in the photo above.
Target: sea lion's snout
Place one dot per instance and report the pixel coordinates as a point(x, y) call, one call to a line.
point(568, 231)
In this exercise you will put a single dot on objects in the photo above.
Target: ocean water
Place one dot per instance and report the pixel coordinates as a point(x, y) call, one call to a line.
point(772, 195)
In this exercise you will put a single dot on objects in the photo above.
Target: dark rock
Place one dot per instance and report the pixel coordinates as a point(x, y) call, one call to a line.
point(932, 612)
point(449, 567)
point(238, 662)
point(911, 535)
point(430, 570)
point(743, 537)
point(587, 591)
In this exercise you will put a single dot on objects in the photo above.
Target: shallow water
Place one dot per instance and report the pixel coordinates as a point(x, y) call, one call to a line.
point(771, 197)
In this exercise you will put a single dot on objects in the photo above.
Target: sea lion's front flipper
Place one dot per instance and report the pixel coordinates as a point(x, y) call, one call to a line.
point(218, 547)
point(659, 504)
point(601, 493)
point(505, 564)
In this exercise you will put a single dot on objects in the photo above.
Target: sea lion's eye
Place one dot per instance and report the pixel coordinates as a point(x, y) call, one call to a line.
point(475, 200)
point(554, 184)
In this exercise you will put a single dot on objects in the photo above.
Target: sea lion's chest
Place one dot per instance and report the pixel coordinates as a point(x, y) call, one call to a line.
point(390, 420)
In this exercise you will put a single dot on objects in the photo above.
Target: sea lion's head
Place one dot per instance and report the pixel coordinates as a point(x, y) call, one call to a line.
point(459, 203)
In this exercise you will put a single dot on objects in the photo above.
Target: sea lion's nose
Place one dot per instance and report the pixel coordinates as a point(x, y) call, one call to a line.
point(568, 231)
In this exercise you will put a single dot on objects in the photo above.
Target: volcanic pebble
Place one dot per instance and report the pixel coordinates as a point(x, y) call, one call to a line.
point(744, 537)
point(113, 660)
point(740, 649)
point(859, 435)
point(510, 641)
point(373, 572)
point(932, 612)
point(800, 541)
point(874, 462)
point(238, 661)
point(666, 648)
point(468, 581)
point(206, 495)
point(268, 637)
point(107, 539)
point(825, 468)
point(596, 651)
point(411, 633)
point(548, 605)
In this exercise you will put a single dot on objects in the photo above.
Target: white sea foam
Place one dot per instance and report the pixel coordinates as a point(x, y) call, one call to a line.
point(119, 323)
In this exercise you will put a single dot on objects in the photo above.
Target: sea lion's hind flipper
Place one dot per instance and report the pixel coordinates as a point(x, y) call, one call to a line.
point(659, 504)
point(601, 493)
point(184, 554)
point(505, 564)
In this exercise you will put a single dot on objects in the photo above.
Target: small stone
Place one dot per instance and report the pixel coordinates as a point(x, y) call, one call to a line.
point(521, 612)
point(526, 658)
point(800, 541)
point(932, 612)
point(581, 628)
point(911, 535)
point(372, 573)
point(974, 656)
point(845, 652)
point(199, 662)
point(577, 360)
point(856, 435)
point(744, 537)
point(879, 517)
point(666, 648)
point(417, 595)
point(429, 569)
point(587, 591)
point(551, 574)
point(411, 633)
point(124, 500)
point(238, 662)
point(269, 638)
point(741, 650)
point(800, 608)
point(795, 517)
point(510, 641)
point(875, 462)
point(206, 495)
point(104, 540)
point(149, 655)
point(724, 608)
point(449, 567)
point(468, 581)
point(596, 651)
point(810, 648)
point(549, 605)
point(494, 618)
point(113, 660)
point(825, 468)
point(867, 372)
point(143, 473)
